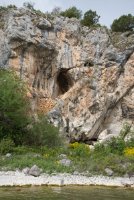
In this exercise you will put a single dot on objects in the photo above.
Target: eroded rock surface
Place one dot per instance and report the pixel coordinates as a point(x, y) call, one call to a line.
point(83, 77)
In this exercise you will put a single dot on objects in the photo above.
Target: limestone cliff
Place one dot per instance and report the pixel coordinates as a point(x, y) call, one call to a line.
point(82, 78)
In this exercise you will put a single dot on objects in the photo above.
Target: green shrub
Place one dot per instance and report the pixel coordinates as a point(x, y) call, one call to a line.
point(90, 19)
point(6, 8)
point(6, 146)
point(72, 12)
point(114, 146)
point(2, 8)
point(43, 133)
point(14, 107)
point(130, 143)
point(79, 150)
point(39, 13)
point(125, 130)
point(29, 5)
point(123, 23)
point(11, 6)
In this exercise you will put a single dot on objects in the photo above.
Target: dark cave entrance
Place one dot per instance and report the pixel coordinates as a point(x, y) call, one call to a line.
point(64, 81)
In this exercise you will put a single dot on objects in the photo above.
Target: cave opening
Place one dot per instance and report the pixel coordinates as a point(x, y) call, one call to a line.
point(64, 81)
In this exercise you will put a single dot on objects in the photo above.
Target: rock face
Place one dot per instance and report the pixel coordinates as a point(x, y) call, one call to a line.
point(83, 77)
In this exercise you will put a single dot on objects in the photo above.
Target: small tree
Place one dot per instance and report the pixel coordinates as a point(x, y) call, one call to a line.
point(123, 23)
point(90, 18)
point(42, 133)
point(72, 12)
point(13, 107)
point(56, 11)
point(29, 5)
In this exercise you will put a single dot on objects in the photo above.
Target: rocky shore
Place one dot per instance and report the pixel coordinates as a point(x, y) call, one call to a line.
point(18, 178)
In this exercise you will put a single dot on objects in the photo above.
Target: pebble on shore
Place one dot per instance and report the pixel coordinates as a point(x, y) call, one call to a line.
point(18, 178)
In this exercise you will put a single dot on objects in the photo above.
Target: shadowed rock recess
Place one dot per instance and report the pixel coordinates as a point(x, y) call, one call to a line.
point(82, 78)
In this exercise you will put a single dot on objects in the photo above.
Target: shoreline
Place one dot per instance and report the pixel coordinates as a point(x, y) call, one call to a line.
point(16, 178)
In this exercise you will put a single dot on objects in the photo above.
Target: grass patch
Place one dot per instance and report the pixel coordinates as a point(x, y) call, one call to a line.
point(83, 160)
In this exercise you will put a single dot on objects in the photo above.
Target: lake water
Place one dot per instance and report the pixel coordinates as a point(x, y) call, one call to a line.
point(65, 193)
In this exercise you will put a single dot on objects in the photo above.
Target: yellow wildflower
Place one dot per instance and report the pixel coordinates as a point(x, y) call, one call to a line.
point(74, 145)
point(129, 151)
point(46, 155)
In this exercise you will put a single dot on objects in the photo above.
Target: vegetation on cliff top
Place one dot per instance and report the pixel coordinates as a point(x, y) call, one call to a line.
point(90, 18)
point(72, 12)
point(123, 23)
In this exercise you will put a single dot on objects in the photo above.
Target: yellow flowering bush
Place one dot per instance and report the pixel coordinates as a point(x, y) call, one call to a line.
point(46, 155)
point(129, 151)
point(57, 162)
point(79, 149)
point(74, 145)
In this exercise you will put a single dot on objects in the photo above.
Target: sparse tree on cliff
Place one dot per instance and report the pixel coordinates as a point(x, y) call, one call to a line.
point(90, 18)
point(29, 5)
point(123, 23)
point(72, 12)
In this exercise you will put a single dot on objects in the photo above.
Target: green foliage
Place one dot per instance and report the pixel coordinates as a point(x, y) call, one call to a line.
point(11, 6)
point(43, 133)
point(79, 150)
point(6, 8)
point(13, 107)
point(29, 5)
point(6, 146)
point(90, 19)
point(2, 8)
point(83, 160)
point(114, 146)
point(39, 13)
point(123, 23)
point(125, 130)
point(14, 115)
point(72, 12)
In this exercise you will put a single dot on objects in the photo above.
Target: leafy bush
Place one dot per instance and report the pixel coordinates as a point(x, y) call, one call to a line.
point(39, 13)
point(43, 133)
point(2, 8)
point(29, 5)
point(79, 150)
point(90, 19)
point(72, 12)
point(6, 146)
point(6, 8)
point(125, 130)
point(116, 145)
point(11, 6)
point(13, 107)
point(123, 23)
